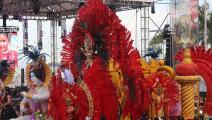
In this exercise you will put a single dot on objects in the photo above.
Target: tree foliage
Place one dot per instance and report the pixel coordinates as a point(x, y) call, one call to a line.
point(157, 39)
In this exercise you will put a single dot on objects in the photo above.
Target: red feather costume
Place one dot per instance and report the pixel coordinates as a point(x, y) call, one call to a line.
point(109, 39)
point(203, 59)
point(166, 89)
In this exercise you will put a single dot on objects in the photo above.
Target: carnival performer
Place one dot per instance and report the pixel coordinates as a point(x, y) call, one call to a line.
point(6, 76)
point(34, 105)
point(96, 38)
point(164, 95)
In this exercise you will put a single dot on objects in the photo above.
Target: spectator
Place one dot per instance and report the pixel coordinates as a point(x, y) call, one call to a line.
point(8, 111)
point(66, 75)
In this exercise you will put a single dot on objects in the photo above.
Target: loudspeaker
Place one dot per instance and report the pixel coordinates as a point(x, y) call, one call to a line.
point(22, 76)
point(153, 8)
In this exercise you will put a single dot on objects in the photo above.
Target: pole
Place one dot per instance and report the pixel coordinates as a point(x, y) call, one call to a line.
point(136, 12)
point(206, 7)
point(187, 77)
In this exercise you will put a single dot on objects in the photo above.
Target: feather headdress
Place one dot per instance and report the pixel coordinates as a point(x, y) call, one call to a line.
point(110, 39)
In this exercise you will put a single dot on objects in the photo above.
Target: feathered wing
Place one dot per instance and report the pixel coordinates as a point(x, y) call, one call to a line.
point(203, 58)
point(103, 92)
point(58, 107)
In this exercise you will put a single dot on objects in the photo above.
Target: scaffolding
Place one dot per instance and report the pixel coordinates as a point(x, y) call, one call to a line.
point(144, 29)
point(57, 11)
point(53, 44)
point(39, 34)
point(64, 9)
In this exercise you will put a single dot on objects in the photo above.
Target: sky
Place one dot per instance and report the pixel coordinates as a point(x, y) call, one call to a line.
point(128, 19)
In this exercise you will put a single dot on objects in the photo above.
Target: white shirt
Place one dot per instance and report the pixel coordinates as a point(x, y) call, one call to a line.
point(67, 76)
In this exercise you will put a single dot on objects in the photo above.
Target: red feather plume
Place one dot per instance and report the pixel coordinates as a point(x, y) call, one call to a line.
point(58, 107)
point(103, 92)
point(169, 88)
point(169, 85)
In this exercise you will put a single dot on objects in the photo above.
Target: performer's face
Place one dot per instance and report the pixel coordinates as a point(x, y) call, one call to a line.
point(4, 42)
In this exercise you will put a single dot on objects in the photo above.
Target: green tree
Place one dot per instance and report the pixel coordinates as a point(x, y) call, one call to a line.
point(157, 39)
point(201, 21)
point(209, 26)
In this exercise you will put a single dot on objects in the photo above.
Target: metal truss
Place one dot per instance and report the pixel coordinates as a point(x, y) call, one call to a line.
point(61, 9)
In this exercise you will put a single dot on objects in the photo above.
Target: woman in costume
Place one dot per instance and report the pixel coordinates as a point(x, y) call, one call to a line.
point(163, 93)
point(34, 105)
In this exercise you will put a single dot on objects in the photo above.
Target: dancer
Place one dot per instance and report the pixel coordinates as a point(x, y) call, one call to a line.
point(96, 38)
point(34, 105)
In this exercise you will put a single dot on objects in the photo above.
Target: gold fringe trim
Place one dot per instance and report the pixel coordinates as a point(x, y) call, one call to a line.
point(48, 74)
point(187, 78)
point(8, 80)
point(90, 99)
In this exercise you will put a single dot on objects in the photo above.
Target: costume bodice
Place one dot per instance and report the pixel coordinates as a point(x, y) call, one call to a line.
point(38, 104)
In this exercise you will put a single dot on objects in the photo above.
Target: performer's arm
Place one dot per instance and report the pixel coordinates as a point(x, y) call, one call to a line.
point(24, 107)
point(44, 95)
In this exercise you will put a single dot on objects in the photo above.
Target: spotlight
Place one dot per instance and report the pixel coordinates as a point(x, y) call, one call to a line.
point(36, 6)
point(153, 8)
